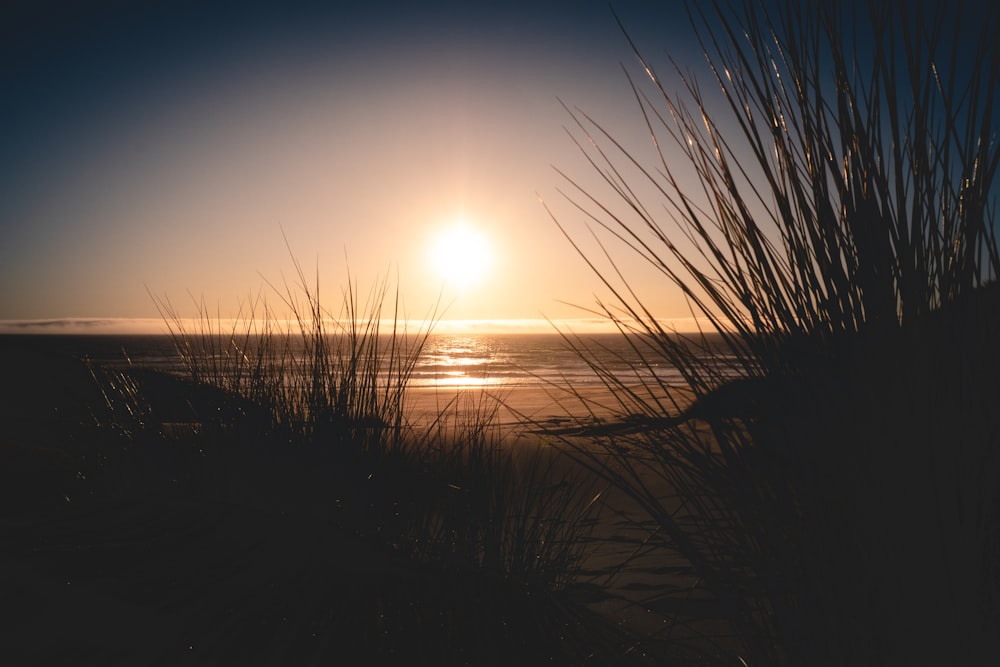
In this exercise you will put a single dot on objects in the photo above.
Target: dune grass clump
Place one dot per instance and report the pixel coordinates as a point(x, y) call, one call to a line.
point(334, 386)
point(330, 378)
point(840, 503)
point(305, 418)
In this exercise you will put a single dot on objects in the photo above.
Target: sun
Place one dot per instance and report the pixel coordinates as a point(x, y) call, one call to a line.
point(460, 255)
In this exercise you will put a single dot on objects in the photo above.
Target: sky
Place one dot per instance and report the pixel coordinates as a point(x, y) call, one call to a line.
point(198, 150)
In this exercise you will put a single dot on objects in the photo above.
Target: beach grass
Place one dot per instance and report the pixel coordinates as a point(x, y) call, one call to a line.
point(445, 490)
point(839, 502)
point(280, 484)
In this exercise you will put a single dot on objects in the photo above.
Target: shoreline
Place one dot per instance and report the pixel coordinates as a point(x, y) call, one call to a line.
point(532, 409)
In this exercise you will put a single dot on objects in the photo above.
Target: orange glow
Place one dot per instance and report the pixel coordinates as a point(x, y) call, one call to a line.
point(362, 150)
point(461, 255)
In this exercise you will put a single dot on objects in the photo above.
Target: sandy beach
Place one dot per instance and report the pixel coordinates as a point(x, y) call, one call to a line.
point(529, 408)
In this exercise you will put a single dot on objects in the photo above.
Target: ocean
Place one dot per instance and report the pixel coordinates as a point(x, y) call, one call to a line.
point(446, 360)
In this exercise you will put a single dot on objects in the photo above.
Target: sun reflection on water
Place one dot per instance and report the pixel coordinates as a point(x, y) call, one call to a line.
point(463, 380)
point(460, 361)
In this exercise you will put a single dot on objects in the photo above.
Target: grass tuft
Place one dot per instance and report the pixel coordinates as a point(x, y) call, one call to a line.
point(841, 497)
point(303, 420)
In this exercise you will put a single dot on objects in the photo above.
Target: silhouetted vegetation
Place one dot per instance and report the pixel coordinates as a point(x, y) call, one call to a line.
point(840, 234)
point(277, 505)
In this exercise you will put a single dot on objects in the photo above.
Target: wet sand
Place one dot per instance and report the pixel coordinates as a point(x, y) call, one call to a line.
point(530, 408)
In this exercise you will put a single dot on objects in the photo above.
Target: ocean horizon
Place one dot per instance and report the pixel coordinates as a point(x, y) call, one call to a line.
point(116, 326)
point(446, 360)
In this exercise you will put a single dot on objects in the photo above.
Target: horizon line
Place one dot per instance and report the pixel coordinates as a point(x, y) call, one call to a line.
point(225, 326)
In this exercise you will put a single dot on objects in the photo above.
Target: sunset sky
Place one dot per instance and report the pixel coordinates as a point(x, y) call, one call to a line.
point(173, 146)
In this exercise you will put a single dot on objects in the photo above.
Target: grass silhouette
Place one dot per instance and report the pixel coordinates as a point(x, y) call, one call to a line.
point(841, 505)
point(276, 504)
